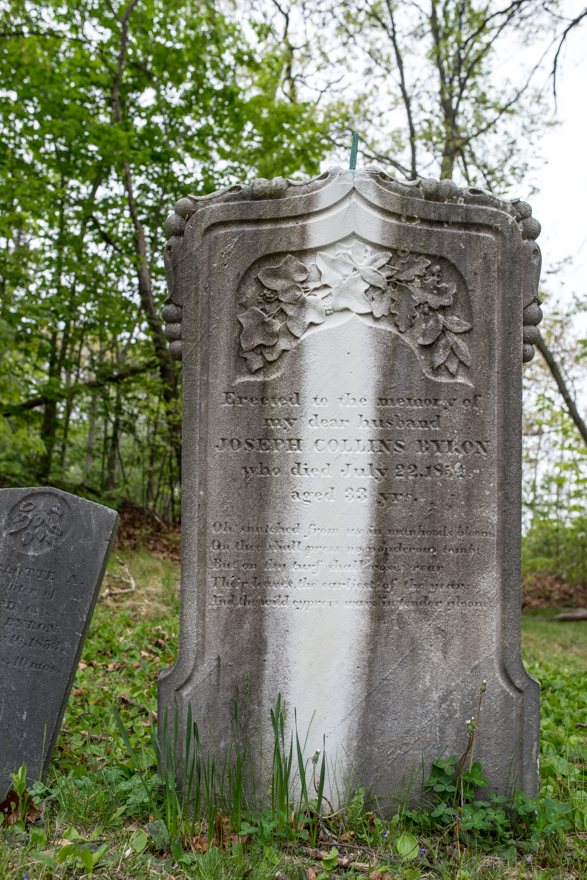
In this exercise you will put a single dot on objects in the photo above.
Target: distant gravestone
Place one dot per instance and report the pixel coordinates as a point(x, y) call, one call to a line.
point(352, 359)
point(54, 548)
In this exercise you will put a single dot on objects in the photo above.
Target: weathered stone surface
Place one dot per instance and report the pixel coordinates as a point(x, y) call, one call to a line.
point(352, 352)
point(53, 552)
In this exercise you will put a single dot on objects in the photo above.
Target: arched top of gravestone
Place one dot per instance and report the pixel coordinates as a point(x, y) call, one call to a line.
point(437, 341)
point(427, 189)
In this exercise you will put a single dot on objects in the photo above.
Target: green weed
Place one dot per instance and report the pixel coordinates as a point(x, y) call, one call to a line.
point(232, 820)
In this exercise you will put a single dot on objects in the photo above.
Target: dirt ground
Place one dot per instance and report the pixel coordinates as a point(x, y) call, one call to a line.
point(143, 529)
point(545, 591)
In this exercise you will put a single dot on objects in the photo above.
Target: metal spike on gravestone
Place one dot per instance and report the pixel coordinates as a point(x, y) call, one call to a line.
point(352, 384)
point(54, 548)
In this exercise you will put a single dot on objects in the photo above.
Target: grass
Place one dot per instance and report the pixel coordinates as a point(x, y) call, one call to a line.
point(99, 815)
point(548, 642)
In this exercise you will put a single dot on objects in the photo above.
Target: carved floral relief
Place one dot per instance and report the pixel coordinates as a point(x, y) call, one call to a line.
point(409, 294)
point(39, 522)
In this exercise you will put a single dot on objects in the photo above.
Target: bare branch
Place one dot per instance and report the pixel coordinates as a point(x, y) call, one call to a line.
point(573, 24)
point(404, 91)
point(61, 394)
point(562, 387)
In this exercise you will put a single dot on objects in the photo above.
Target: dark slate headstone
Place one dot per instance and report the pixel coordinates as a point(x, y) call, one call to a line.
point(54, 548)
point(352, 420)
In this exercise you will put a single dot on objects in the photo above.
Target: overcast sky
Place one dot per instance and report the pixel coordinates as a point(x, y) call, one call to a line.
point(561, 203)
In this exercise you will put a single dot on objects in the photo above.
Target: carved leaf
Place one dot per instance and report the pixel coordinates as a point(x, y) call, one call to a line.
point(314, 280)
point(328, 269)
point(460, 348)
point(411, 267)
point(271, 308)
point(350, 294)
point(255, 360)
point(456, 324)
point(291, 293)
point(435, 295)
point(381, 302)
point(305, 311)
point(373, 277)
point(271, 354)
point(431, 330)
point(285, 278)
point(20, 523)
point(313, 275)
point(281, 276)
point(440, 352)
point(404, 308)
point(286, 342)
point(376, 261)
point(258, 329)
point(452, 363)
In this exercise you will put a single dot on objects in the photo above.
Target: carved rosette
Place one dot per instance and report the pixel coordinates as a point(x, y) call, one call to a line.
point(278, 324)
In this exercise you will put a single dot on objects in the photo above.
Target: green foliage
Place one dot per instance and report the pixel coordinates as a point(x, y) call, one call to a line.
point(187, 790)
point(556, 544)
point(104, 798)
point(95, 147)
point(555, 459)
point(456, 803)
point(406, 846)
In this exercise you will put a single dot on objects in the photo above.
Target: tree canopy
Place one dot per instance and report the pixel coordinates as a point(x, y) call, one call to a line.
point(110, 113)
point(107, 117)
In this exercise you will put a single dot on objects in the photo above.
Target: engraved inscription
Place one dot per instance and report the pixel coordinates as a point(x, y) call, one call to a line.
point(392, 452)
point(28, 596)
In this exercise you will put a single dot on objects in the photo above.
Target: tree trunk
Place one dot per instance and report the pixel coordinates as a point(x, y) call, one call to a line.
point(113, 450)
point(145, 287)
point(562, 387)
point(49, 423)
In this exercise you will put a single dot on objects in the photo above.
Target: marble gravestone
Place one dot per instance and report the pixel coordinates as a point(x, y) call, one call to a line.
point(352, 369)
point(54, 548)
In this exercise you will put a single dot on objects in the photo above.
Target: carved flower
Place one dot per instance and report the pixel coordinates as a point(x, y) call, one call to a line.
point(350, 274)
